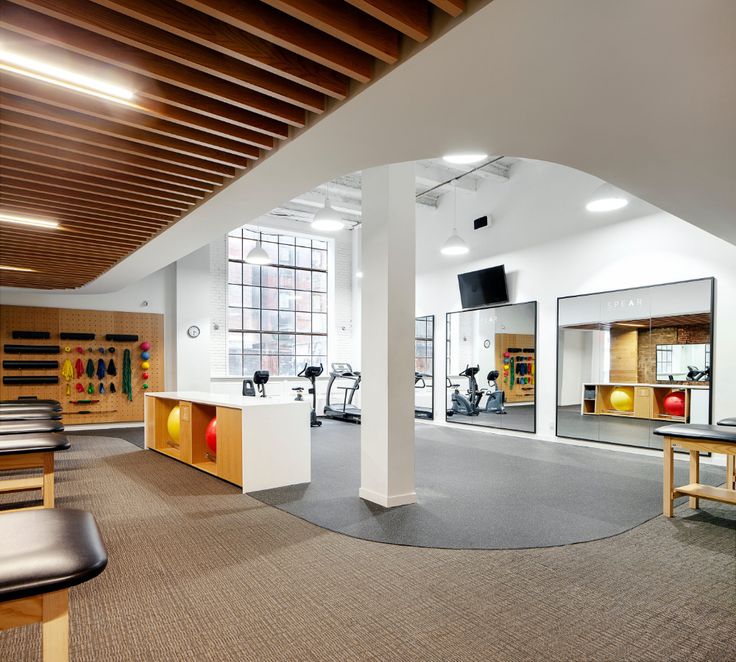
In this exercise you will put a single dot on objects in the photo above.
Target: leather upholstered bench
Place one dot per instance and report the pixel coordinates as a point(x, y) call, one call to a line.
point(30, 427)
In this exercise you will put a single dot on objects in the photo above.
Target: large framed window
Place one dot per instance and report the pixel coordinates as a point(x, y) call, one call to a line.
point(276, 314)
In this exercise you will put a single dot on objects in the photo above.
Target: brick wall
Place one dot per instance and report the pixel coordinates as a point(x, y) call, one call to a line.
point(668, 335)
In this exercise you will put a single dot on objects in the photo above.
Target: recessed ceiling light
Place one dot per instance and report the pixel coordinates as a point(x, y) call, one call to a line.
point(25, 220)
point(7, 267)
point(50, 73)
point(465, 159)
point(607, 198)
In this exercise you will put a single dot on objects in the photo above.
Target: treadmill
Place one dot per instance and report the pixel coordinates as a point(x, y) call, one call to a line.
point(343, 409)
point(425, 413)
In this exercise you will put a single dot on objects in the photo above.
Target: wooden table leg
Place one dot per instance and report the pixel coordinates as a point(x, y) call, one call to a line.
point(47, 491)
point(55, 626)
point(731, 472)
point(693, 502)
point(669, 477)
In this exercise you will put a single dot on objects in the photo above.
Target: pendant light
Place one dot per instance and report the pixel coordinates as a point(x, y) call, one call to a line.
point(455, 245)
point(257, 254)
point(327, 219)
point(607, 198)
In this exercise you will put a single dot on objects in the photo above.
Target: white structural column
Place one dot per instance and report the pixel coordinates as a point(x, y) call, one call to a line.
point(387, 334)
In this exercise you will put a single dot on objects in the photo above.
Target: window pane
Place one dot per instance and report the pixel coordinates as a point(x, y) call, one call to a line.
point(270, 320)
point(234, 295)
point(303, 280)
point(303, 344)
point(286, 255)
point(251, 319)
point(234, 318)
point(286, 279)
point(269, 237)
point(235, 364)
point(300, 361)
point(301, 241)
point(269, 277)
point(286, 343)
point(236, 233)
point(251, 364)
point(319, 345)
point(319, 323)
point(252, 343)
point(234, 272)
point(319, 260)
point(319, 244)
point(270, 298)
point(270, 343)
point(319, 281)
point(303, 322)
point(234, 343)
point(319, 303)
point(250, 234)
point(316, 360)
point(271, 363)
point(286, 239)
point(251, 275)
point(286, 299)
point(286, 321)
point(286, 365)
point(272, 250)
point(235, 248)
point(303, 257)
point(303, 300)
point(251, 297)
point(248, 246)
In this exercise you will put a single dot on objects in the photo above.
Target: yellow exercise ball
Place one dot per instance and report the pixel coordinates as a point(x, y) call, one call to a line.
point(622, 398)
point(173, 424)
point(145, 365)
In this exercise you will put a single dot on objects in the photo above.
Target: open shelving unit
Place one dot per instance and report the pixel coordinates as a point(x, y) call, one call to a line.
point(648, 401)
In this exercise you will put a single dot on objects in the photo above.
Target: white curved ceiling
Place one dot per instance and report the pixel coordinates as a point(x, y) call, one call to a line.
point(641, 94)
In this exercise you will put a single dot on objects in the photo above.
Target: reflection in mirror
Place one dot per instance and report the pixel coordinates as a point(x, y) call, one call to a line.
point(491, 366)
point(633, 360)
point(424, 367)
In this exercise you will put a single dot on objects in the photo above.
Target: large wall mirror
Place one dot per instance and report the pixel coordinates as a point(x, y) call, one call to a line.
point(492, 367)
point(424, 367)
point(632, 360)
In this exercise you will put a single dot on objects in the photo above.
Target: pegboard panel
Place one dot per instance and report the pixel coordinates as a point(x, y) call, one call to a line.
point(112, 407)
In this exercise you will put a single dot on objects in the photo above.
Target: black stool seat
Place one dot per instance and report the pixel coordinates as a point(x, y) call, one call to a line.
point(48, 550)
point(30, 415)
point(702, 432)
point(730, 422)
point(14, 444)
point(30, 427)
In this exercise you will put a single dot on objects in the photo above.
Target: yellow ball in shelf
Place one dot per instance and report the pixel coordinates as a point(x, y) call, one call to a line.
point(173, 424)
point(622, 398)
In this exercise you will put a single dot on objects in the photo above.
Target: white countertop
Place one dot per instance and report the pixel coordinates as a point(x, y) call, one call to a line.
point(659, 385)
point(224, 400)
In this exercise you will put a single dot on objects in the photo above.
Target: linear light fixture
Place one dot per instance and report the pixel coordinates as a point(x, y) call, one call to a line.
point(50, 73)
point(7, 267)
point(25, 220)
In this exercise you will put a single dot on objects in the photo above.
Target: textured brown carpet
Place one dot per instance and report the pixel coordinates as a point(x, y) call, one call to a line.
point(200, 572)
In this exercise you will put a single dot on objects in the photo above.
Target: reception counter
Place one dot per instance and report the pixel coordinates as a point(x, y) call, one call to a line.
point(262, 443)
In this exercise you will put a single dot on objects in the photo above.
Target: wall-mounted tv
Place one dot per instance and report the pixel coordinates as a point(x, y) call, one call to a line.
point(483, 287)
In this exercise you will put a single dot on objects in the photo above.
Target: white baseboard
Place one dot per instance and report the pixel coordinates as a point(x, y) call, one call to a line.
point(387, 501)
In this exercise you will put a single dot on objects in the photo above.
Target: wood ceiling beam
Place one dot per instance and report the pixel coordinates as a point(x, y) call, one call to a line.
point(227, 40)
point(117, 163)
point(128, 133)
point(346, 23)
point(291, 34)
point(19, 241)
point(50, 30)
point(36, 121)
point(71, 232)
point(88, 105)
point(49, 167)
point(451, 7)
point(410, 17)
point(34, 176)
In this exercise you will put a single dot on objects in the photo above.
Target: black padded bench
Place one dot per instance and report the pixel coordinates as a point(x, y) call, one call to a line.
point(44, 553)
point(697, 439)
point(730, 459)
point(29, 414)
point(31, 451)
point(30, 427)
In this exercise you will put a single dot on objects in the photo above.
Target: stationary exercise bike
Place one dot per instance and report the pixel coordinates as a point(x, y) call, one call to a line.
point(467, 404)
point(260, 378)
point(310, 372)
point(694, 374)
point(496, 397)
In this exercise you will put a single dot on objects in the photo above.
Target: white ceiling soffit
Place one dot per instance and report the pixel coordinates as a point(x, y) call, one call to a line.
point(632, 92)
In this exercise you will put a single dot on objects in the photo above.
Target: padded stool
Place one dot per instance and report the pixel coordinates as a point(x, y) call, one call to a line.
point(44, 553)
point(31, 451)
point(30, 427)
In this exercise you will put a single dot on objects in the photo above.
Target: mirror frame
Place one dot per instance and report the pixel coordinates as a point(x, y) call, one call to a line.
point(626, 289)
point(434, 347)
point(536, 362)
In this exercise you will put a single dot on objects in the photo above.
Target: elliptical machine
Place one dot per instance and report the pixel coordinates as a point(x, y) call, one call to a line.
point(310, 372)
point(496, 397)
point(467, 405)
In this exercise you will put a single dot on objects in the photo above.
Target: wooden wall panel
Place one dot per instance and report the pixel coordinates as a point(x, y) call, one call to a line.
point(624, 356)
point(112, 407)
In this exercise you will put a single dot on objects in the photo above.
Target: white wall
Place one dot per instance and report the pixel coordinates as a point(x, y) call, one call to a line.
point(158, 289)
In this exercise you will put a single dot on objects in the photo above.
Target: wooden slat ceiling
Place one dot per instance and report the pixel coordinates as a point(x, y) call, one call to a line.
point(693, 319)
point(217, 83)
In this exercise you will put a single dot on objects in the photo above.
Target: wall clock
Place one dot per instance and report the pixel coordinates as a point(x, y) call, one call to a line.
point(486, 343)
point(193, 331)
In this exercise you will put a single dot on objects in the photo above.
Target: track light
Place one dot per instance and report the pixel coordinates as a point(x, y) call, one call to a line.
point(607, 198)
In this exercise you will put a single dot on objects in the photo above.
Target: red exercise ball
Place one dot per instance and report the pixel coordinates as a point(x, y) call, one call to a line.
point(674, 403)
point(210, 435)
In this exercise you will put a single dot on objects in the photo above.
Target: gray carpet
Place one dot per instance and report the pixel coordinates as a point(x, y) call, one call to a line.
point(517, 417)
point(201, 572)
point(133, 435)
point(483, 491)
